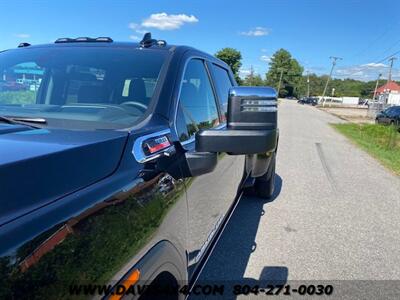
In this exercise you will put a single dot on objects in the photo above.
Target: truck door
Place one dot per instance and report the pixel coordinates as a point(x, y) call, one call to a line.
point(210, 195)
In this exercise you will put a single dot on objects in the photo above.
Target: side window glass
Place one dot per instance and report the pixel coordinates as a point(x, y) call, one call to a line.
point(223, 83)
point(197, 101)
point(181, 126)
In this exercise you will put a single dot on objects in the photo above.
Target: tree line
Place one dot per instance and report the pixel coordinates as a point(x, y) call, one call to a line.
point(293, 81)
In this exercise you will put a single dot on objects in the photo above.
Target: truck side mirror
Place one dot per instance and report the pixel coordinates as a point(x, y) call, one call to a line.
point(252, 108)
point(251, 125)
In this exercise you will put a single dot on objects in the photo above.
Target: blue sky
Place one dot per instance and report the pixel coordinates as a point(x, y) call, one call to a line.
point(362, 32)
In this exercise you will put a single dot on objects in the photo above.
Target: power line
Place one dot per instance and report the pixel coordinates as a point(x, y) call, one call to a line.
point(391, 47)
point(373, 42)
point(378, 62)
point(379, 37)
point(387, 57)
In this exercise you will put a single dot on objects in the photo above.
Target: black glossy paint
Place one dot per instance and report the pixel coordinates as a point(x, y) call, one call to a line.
point(77, 207)
point(95, 235)
point(51, 164)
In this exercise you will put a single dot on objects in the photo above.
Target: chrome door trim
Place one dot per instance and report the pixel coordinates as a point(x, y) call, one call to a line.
point(137, 149)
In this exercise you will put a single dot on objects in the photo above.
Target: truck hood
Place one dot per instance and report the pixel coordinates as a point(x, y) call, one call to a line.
point(38, 166)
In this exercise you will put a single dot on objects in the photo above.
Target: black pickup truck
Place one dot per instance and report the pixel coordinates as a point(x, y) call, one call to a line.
point(121, 163)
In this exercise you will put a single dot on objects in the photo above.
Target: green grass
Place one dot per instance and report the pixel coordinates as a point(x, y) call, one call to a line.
point(17, 97)
point(382, 142)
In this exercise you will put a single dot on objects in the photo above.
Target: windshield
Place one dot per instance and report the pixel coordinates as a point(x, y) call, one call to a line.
point(79, 87)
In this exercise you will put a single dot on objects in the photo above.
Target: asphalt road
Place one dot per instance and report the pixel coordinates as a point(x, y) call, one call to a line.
point(335, 214)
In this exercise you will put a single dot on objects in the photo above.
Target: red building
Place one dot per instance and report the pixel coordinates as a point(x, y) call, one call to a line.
point(388, 88)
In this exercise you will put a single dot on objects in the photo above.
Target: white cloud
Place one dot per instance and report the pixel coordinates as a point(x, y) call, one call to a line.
point(164, 21)
point(133, 26)
point(23, 35)
point(265, 58)
point(374, 65)
point(365, 72)
point(161, 21)
point(134, 37)
point(257, 31)
point(359, 73)
point(137, 28)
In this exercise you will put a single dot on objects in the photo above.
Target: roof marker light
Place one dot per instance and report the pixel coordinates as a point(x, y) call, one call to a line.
point(101, 39)
point(22, 45)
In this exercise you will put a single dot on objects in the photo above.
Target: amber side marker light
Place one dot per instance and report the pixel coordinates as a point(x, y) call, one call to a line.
point(129, 281)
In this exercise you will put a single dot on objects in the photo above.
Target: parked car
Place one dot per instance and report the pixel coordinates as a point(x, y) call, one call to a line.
point(291, 98)
point(389, 116)
point(309, 100)
point(301, 100)
point(126, 168)
point(364, 102)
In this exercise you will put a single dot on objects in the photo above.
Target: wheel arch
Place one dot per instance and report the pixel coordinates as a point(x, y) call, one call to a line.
point(162, 258)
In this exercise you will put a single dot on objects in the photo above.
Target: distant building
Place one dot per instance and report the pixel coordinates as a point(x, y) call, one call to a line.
point(388, 92)
point(388, 87)
point(350, 100)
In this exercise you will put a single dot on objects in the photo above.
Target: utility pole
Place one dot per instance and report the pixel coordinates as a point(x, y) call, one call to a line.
point(280, 80)
point(308, 85)
point(251, 75)
point(334, 59)
point(389, 78)
point(390, 68)
point(376, 86)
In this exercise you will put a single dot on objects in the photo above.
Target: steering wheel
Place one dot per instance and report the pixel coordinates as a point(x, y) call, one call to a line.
point(135, 103)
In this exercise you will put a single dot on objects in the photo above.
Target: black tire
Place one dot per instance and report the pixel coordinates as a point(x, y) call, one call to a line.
point(164, 287)
point(265, 185)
